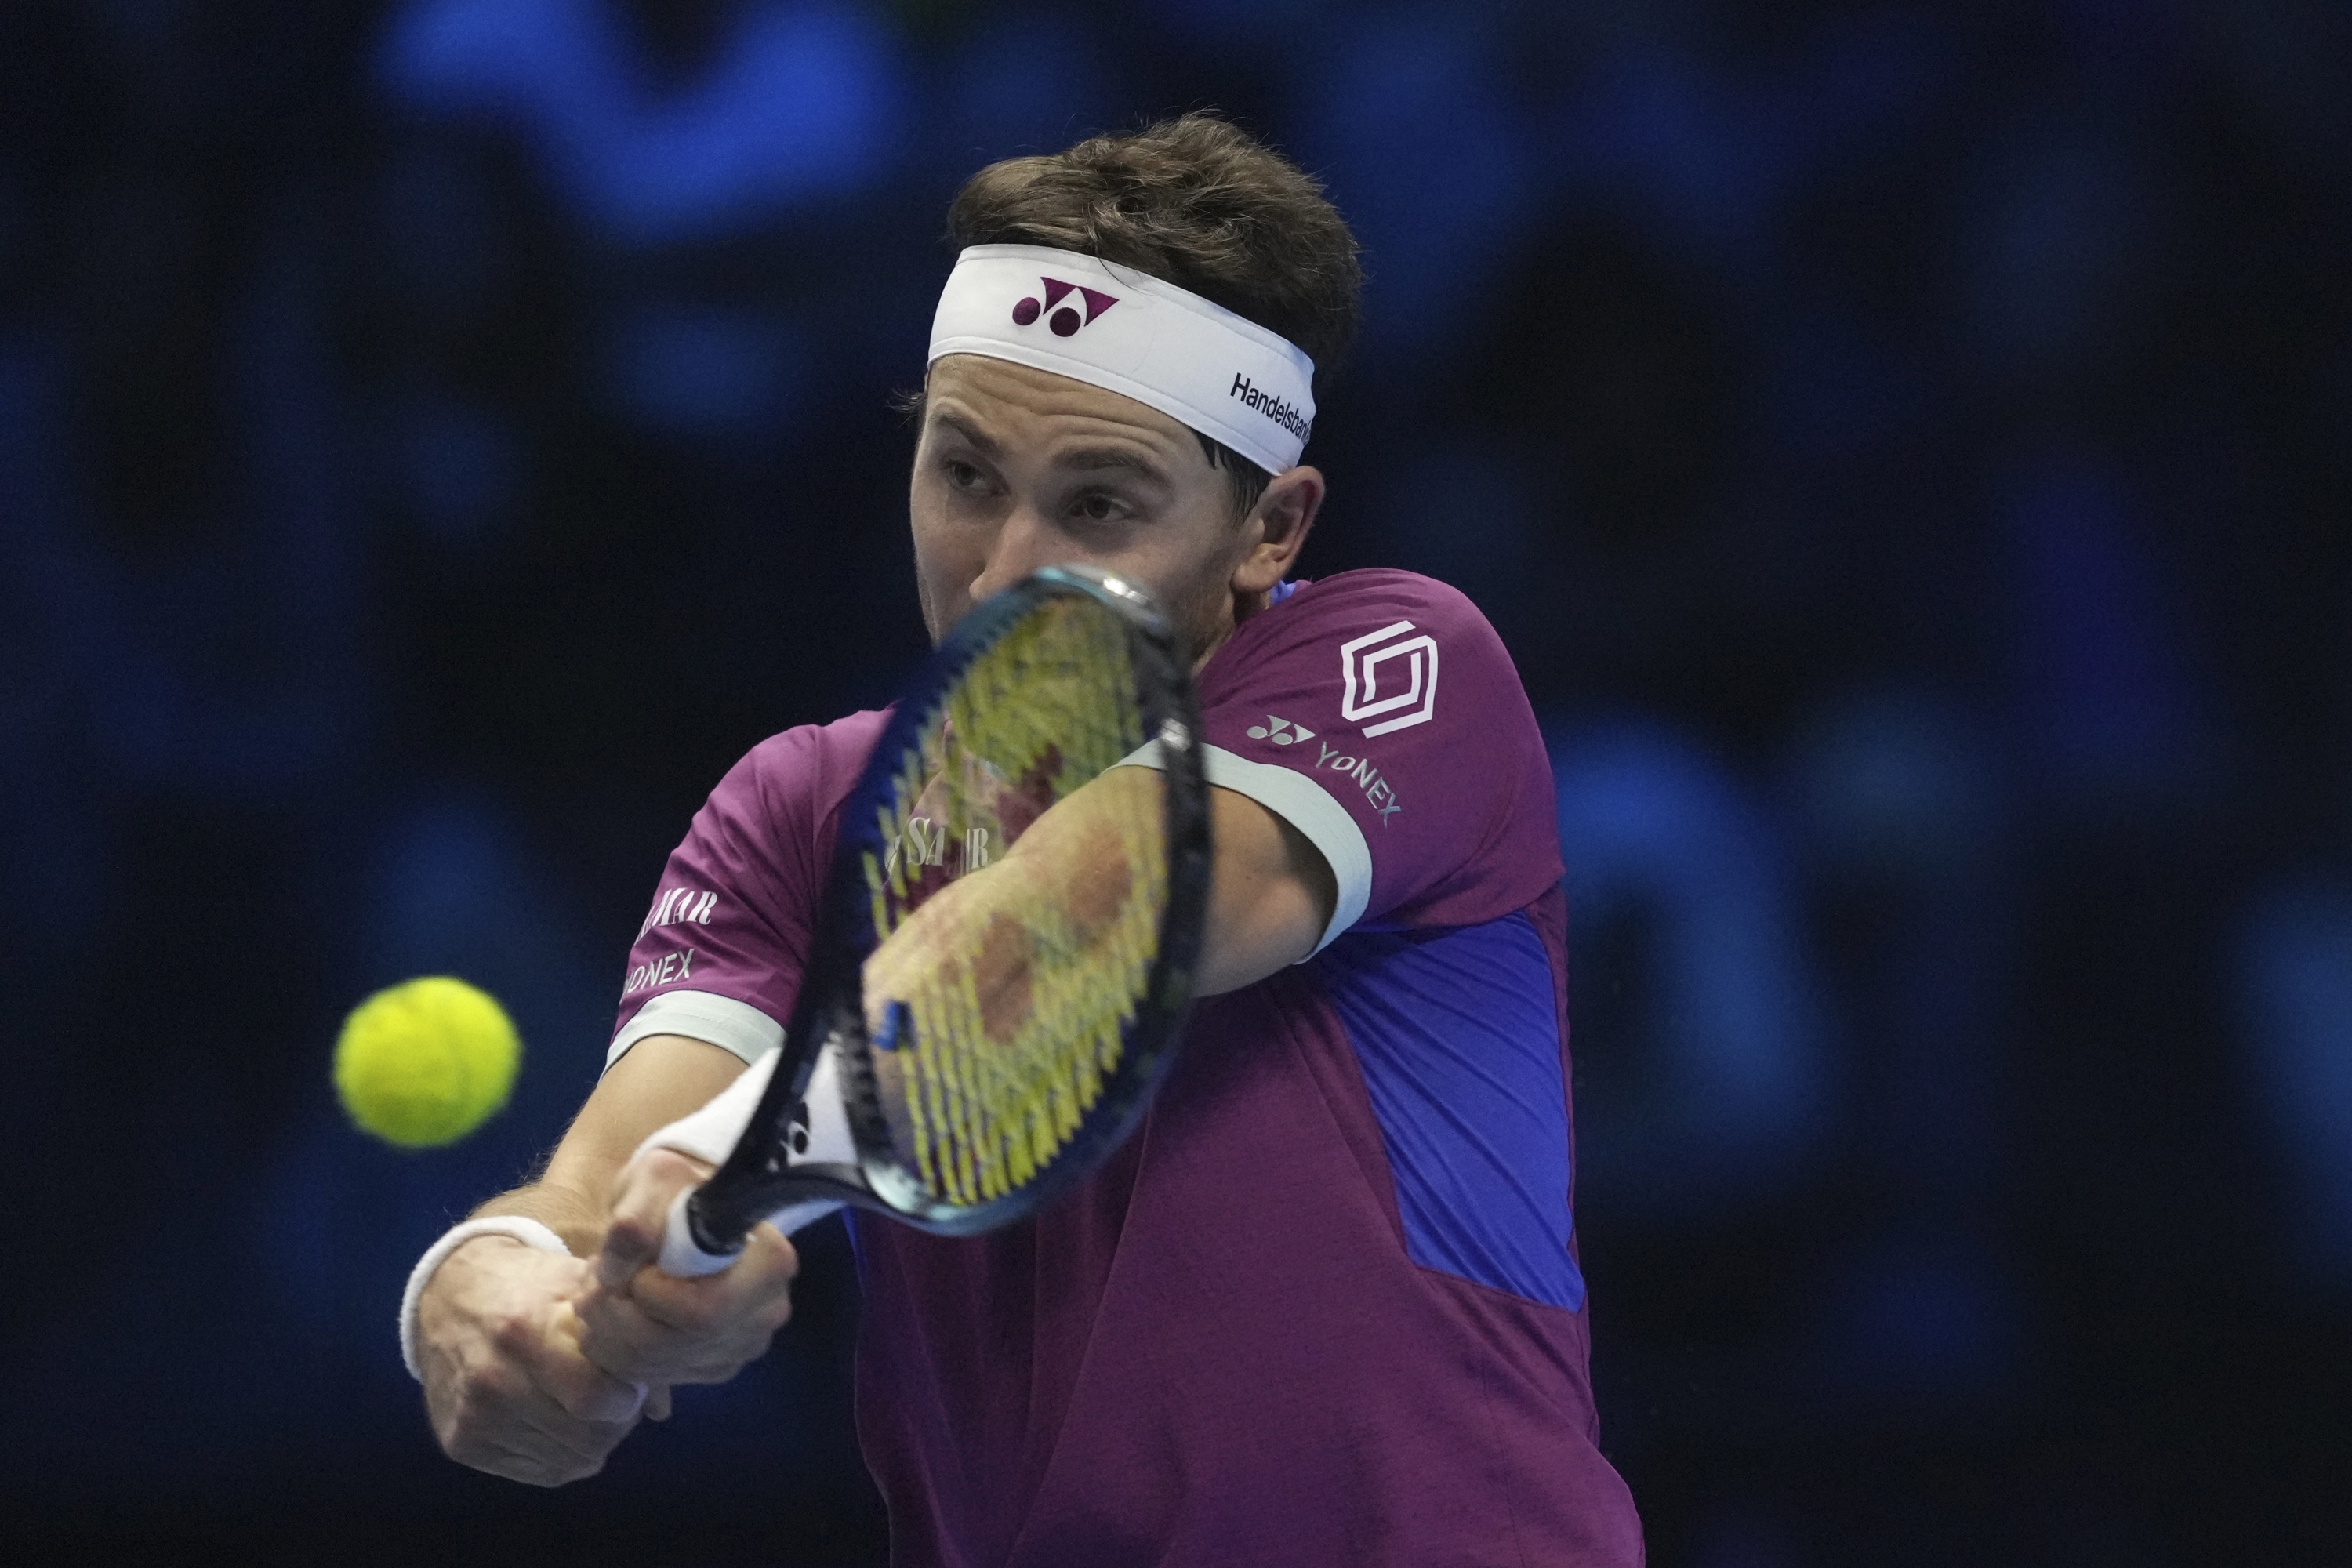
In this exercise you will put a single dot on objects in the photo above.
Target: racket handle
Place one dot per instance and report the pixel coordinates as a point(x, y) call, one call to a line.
point(682, 1257)
point(711, 1133)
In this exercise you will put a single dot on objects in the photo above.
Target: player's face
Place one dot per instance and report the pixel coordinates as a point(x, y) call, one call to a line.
point(1018, 468)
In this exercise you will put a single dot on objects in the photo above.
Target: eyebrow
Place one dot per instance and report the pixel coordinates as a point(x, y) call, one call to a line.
point(1090, 458)
point(1085, 459)
point(980, 440)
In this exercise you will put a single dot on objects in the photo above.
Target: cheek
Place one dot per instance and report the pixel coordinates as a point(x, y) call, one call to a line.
point(1198, 595)
point(1203, 614)
point(942, 580)
point(935, 542)
point(938, 580)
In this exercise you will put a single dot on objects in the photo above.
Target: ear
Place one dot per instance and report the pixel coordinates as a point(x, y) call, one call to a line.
point(1280, 522)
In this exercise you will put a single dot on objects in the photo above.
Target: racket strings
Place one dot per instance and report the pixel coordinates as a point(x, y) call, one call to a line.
point(1046, 709)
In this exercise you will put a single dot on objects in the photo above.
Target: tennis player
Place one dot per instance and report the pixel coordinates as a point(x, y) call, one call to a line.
point(1325, 1306)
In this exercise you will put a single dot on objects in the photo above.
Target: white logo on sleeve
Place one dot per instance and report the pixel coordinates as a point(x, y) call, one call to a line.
point(1377, 789)
point(667, 970)
point(678, 906)
point(1281, 732)
point(1409, 682)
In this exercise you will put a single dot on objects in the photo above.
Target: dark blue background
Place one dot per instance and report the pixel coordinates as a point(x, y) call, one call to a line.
point(1904, 447)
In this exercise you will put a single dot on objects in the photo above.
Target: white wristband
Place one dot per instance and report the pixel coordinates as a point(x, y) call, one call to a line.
point(530, 1232)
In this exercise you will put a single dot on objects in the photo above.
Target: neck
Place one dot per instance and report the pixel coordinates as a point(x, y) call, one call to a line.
point(1245, 606)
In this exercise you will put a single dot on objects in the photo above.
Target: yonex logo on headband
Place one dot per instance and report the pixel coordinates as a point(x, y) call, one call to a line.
point(1166, 347)
point(1063, 323)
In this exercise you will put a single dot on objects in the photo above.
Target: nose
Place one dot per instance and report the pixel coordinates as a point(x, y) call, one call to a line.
point(1024, 542)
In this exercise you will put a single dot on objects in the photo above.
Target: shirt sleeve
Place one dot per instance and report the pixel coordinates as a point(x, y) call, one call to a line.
point(1378, 713)
point(727, 937)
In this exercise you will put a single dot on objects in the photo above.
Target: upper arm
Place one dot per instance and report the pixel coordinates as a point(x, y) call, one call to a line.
point(1271, 892)
point(1380, 715)
point(1270, 898)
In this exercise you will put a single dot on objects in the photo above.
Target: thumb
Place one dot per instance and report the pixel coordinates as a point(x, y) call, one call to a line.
point(582, 1387)
point(641, 1203)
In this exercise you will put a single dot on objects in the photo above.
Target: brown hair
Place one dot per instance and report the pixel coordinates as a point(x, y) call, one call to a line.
point(1196, 202)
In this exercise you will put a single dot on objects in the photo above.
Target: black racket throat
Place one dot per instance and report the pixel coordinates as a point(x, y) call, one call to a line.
point(760, 1175)
point(978, 671)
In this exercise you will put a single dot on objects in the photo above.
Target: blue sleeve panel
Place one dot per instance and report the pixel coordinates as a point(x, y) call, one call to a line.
point(1458, 1032)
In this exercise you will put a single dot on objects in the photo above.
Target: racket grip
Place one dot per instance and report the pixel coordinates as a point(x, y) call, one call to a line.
point(682, 1258)
point(711, 1132)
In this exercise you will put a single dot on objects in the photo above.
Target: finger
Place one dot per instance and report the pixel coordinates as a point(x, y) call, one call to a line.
point(499, 1424)
point(641, 1201)
point(560, 1438)
point(542, 1430)
point(618, 1337)
point(572, 1406)
point(657, 1403)
point(754, 1292)
point(536, 1467)
point(663, 1329)
point(561, 1368)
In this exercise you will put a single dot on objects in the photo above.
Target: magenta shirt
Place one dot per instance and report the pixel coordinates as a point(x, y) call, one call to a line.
point(1324, 1307)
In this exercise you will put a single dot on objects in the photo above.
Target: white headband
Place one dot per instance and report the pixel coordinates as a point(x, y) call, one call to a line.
point(1166, 347)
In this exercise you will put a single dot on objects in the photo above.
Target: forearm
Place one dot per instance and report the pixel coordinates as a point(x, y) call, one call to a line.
point(1271, 896)
point(573, 1214)
point(659, 1080)
point(500, 1327)
point(1270, 891)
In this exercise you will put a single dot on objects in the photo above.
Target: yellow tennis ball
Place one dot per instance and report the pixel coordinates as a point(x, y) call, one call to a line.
point(426, 1062)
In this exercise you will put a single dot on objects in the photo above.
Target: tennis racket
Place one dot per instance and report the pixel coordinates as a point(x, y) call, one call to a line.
point(1024, 1042)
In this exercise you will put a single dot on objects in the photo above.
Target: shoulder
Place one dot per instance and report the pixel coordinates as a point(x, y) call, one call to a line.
point(1366, 608)
point(1377, 687)
point(801, 774)
point(810, 757)
point(1383, 591)
point(1358, 629)
point(763, 832)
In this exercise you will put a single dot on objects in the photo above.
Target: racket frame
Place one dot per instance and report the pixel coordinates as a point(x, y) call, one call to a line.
point(759, 1177)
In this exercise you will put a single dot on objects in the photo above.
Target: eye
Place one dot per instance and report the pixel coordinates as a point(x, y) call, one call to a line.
point(964, 476)
point(1097, 506)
